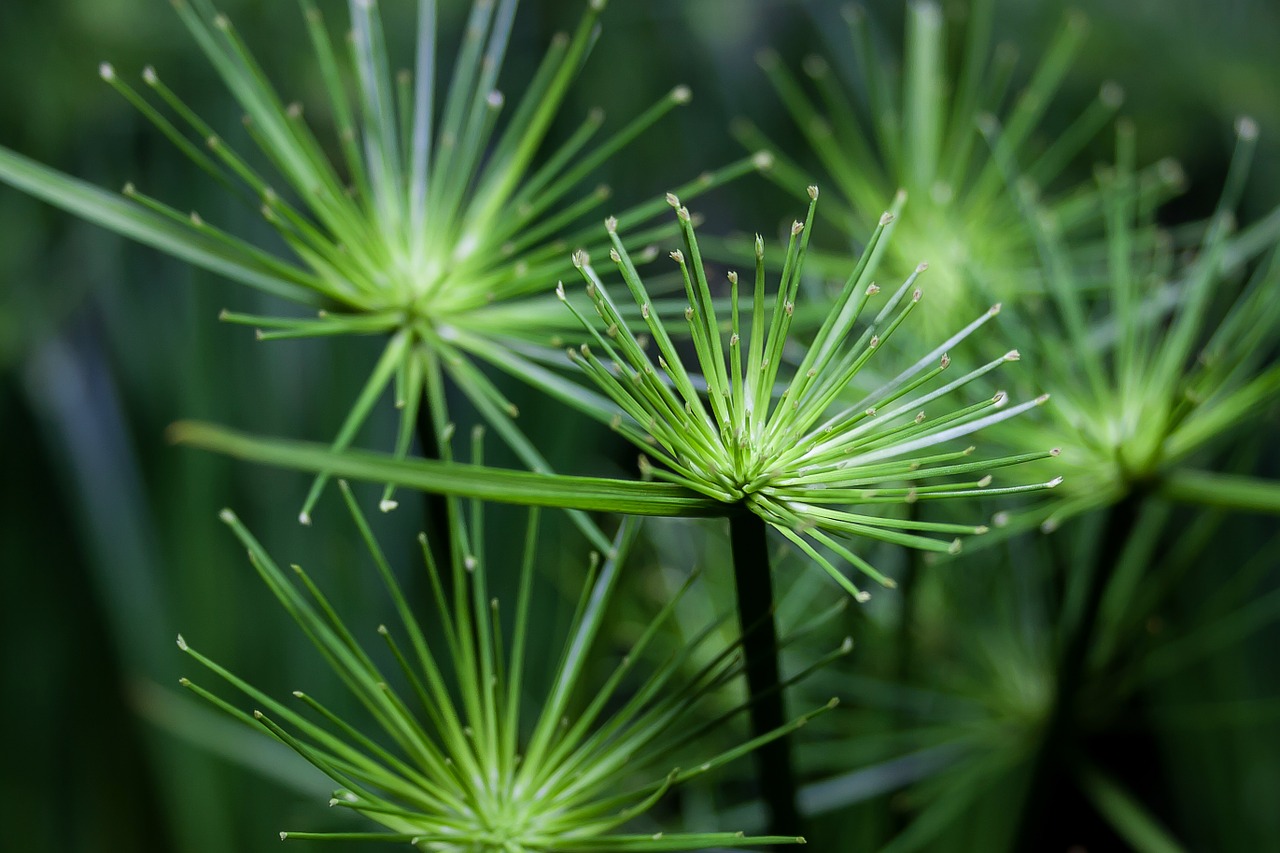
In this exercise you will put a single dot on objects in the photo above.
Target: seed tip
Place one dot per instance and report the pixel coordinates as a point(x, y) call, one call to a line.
point(304, 518)
point(1246, 128)
point(673, 200)
point(681, 94)
point(813, 192)
point(886, 218)
point(922, 266)
point(182, 643)
point(762, 160)
point(107, 71)
point(388, 505)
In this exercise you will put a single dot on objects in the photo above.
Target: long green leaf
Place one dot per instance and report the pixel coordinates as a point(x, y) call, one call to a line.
point(596, 494)
point(132, 220)
point(1230, 491)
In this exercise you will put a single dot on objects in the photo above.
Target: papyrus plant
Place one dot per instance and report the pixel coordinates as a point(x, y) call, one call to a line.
point(436, 226)
point(1175, 352)
point(910, 123)
point(457, 754)
point(763, 448)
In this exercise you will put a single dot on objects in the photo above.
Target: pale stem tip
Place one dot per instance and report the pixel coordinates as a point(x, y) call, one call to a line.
point(284, 836)
point(304, 518)
point(682, 94)
point(682, 213)
point(677, 256)
point(900, 197)
point(382, 630)
point(984, 482)
point(796, 228)
point(388, 505)
point(581, 258)
point(981, 529)
point(184, 682)
point(1247, 128)
point(862, 596)
point(995, 309)
point(954, 547)
point(759, 246)
point(945, 361)
point(1001, 519)
point(1054, 483)
point(1056, 451)
point(1111, 94)
point(149, 76)
point(673, 200)
point(873, 289)
point(182, 643)
point(560, 291)
point(916, 294)
point(611, 224)
point(813, 192)
point(614, 256)
point(107, 71)
point(495, 100)
point(762, 160)
point(227, 516)
point(922, 266)
point(1000, 399)
point(1042, 399)
point(886, 218)
point(847, 645)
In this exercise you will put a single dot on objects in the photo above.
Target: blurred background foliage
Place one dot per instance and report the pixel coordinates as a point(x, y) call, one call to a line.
point(110, 545)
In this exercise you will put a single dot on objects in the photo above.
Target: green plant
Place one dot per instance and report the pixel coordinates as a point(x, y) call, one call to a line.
point(470, 770)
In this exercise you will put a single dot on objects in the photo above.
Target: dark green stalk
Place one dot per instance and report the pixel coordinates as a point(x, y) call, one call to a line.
point(753, 582)
point(434, 506)
point(1053, 761)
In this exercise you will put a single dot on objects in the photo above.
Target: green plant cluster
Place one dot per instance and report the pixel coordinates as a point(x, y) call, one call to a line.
point(941, 519)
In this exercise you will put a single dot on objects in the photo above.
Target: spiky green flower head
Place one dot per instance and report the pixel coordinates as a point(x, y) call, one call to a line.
point(917, 132)
point(1144, 380)
point(436, 225)
point(798, 450)
point(459, 758)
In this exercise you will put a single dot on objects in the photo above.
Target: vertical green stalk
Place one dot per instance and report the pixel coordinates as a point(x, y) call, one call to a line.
point(1054, 758)
point(753, 582)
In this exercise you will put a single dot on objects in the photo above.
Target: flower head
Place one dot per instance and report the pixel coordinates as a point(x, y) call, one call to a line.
point(796, 449)
point(915, 132)
point(460, 762)
point(434, 224)
point(1143, 379)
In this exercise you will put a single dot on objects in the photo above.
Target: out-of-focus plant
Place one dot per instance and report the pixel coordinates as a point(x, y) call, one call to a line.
point(1174, 354)
point(433, 228)
point(917, 132)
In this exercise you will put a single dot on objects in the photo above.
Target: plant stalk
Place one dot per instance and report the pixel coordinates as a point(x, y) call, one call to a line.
point(434, 506)
point(753, 582)
point(1048, 783)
